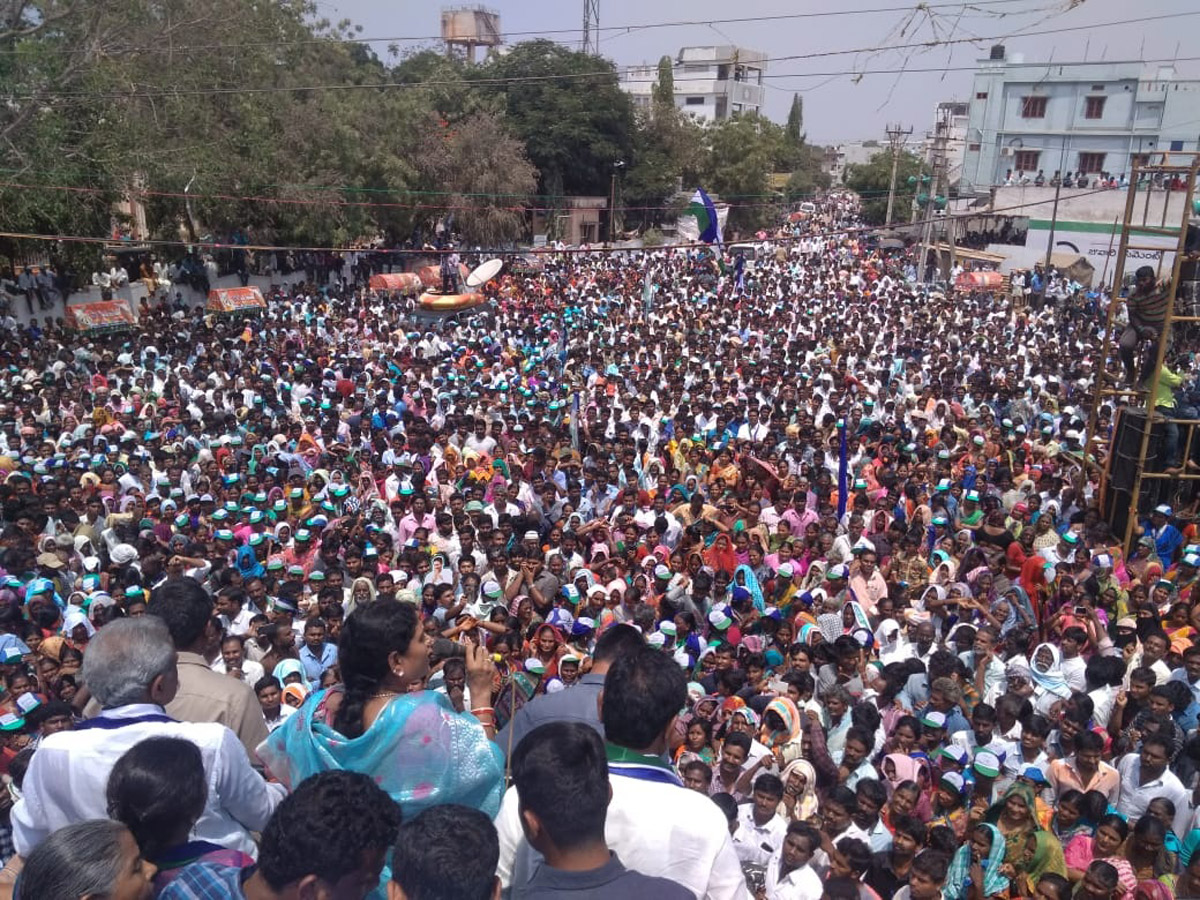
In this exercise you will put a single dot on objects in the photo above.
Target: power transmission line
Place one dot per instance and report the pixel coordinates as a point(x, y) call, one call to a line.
point(630, 28)
point(612, 72)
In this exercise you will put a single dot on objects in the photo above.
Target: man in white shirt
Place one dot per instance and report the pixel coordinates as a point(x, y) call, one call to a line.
point(270, 698)
point(1144, 777)
point(789, 876)
point(752, 429)
point(761, 829)
point(130, 668)
point(233, 659)
point(231, 606)
point(1073, 640)
point(655, 825)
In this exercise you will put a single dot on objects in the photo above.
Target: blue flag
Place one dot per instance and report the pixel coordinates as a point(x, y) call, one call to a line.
point(843, 469)
point(706, 217)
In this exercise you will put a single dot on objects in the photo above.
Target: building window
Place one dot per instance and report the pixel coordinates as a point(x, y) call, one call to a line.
point(981, 95)
point(1033, 107)
point(1093, 108)
point(1097, 87)
point(1026, 160)
point(973, 147)
point(1091, 163)
point(694, 101)
point(1176, 145)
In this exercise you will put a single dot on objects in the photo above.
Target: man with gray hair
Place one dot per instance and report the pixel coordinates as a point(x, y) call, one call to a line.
point(130, 668)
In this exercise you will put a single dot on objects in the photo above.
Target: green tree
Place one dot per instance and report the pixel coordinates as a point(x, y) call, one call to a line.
point(668, 151)
point(197, 95)
point(664, 89)
point(807, 178)
point(569, 111)
point(445, 84)
point(871, 180)
point(742, 152)
point(794, 130)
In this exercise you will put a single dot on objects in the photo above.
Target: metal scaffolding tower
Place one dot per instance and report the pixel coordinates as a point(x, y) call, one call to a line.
point(1127, 490)
point(591, 27)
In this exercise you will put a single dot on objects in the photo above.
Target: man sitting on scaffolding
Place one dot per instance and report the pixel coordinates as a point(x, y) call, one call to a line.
point(1147, 308)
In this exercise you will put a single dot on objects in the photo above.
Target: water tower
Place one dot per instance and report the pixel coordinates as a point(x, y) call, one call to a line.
point(466, 27)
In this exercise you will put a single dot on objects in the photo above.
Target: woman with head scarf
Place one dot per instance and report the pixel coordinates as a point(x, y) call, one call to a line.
point(1043, 856)
point(889, 637)
point(1018, 600)
point(294, 694)
point(855, 617)
point(289, 669)
point(721, 556)
point(897, 768)
point(743, 576)
point(782, 729)
point(976, 864)
point(1015, 815)
point(799, 791)
point(77, 628)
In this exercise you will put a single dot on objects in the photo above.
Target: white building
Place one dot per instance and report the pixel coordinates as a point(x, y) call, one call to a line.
point(711, 83)
point(1073, 117)
point(836, 159)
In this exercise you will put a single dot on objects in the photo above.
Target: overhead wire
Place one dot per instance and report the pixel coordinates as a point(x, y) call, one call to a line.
point(978, 5)
point(607, 73)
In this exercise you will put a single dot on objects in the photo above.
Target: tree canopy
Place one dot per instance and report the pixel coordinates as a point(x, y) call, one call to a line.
point(872, 178)
point(222, 115)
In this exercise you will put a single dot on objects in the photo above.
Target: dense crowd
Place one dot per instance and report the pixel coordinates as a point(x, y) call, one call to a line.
point(769, 573)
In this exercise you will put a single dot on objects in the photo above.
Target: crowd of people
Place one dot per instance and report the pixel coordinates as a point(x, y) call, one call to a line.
point(665, 574)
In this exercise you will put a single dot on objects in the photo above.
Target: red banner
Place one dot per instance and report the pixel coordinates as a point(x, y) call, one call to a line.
point(235, 300)
point(99, 315)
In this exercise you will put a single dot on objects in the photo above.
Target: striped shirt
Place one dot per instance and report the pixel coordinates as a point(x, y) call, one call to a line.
point(1148, 310)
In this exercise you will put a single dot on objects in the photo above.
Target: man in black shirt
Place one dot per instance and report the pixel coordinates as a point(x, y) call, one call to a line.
point(889, 869)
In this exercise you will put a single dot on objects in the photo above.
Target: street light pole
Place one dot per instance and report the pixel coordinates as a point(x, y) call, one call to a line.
point(612, 199)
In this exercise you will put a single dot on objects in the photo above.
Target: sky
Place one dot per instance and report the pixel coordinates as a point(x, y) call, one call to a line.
point(839, 105)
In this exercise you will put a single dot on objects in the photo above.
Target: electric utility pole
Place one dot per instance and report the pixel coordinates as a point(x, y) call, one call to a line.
point(896, 139)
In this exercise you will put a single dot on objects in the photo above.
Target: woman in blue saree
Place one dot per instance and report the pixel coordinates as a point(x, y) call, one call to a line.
point(412, 742)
